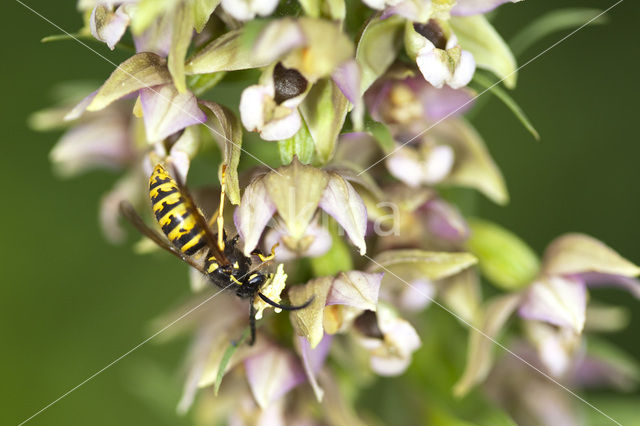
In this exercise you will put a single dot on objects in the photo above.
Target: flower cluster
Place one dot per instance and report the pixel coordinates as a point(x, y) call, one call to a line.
point(340, 129)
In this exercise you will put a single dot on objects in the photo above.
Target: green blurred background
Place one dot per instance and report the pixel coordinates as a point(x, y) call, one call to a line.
point(71, 303)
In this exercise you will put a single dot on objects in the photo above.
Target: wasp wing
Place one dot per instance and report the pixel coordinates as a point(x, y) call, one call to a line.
point(134, 218)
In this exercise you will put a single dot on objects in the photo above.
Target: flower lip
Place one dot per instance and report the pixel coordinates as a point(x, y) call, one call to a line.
point(432, 32)
point(288, 83)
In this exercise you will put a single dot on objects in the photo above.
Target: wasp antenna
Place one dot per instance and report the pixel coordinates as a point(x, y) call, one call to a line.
point(285, 307)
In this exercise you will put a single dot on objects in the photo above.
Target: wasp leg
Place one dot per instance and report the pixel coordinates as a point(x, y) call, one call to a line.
point(220, 214)
point(252, 322)
point(262, 256)
point(285, 307)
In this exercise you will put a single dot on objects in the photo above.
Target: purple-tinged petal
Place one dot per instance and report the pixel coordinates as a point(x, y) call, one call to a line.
point(579, 253)
point(477, 7)
point(556, 346)
point(156, 38)
point(272, 373)
point(108, 26)
point(253, 214)
point(558, 301)
point(445, 221)
point(128, 188)
point(347, 78)
point(356, 289)
point(417, 296)
point(316, 242)
point(313, 360)
point(103, 142)
point(344, 204)
point(166, 111)
point(80, 108)
point(595, 279)
point(439, 104)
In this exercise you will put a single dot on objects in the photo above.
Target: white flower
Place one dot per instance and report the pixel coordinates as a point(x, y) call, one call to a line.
point(440, 59)
point(271, 108)
point(244, 10)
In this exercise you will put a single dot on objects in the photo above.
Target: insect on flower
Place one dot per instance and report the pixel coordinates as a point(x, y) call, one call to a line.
point(190, 237)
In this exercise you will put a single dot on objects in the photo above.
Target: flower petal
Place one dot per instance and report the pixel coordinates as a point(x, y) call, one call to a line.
point(595, 279)
point(253, 214)
point(313, 360)
point(490, 51)
point(296, 190)
point(481, 341)
point(558, 301)
point(277, 38)
point(432, 265)
point(477, 7)
point(342, 202)
point(445, 221)
point(166, 111)
point(356, 289)
point(307, 322)
point(282, 128)
point(108, 26)
point(347, 77)
point(433, 64)
point(139, 71)
point(464, 71)
point(579, 253)
point(272, 373)
point(101, 142)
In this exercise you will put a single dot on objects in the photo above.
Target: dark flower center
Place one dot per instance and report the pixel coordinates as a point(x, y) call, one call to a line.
point(432, 32)
point(288, 83)
point(367, 324)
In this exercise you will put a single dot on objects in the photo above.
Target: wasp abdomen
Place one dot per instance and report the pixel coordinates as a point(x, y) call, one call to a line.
point(174, 214)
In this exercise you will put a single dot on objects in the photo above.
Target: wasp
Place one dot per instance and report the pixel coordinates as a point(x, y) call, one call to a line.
point(189, 237)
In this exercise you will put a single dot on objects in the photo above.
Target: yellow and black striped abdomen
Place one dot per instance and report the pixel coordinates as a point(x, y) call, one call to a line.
point(174, 214)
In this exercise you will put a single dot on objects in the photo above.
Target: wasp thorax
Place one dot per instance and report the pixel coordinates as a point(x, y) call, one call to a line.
point(288, 83)
point(432, 32)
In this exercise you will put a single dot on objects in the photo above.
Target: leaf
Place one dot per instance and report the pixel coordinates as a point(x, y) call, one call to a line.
point(506, 260)
point(183, 22)
point(485, 83)
point(202, 10)
point(226, 53)
point(300, 145)
point(489, 50)
point(141, 70)
point(378, 48)
point(231, 132)
point(233, 347)
point(432, 265)
point(324, 111)
point(555, 21)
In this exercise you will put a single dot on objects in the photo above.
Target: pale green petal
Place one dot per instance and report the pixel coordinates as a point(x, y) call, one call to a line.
point(202, 10)
point(378, 48)
point(481, 342)
point(229, 135)
point(428, 264)
point(489, 50)
point(141, 70)
point(474, 166)
point(578, 253)
point(324, 111)
point(226, 53)
point(183, 22)
point(296, 190)
point(308, 322)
